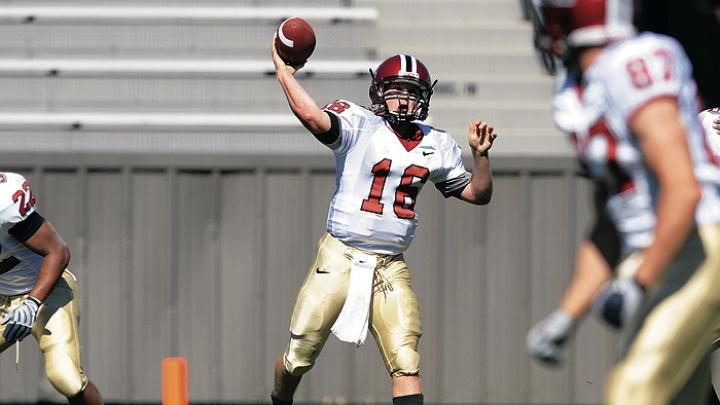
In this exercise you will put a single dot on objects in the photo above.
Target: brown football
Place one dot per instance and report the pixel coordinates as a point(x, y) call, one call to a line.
point(295, 41)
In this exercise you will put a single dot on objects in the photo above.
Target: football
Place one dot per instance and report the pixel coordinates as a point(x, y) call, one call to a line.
point(295, 41)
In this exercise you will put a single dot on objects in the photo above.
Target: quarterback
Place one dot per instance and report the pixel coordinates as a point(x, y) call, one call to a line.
point(359, 280)
point(38, 295)
point(630, 105)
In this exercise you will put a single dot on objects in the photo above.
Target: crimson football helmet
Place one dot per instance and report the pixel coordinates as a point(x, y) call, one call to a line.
point(562, 26)
point(406, 70)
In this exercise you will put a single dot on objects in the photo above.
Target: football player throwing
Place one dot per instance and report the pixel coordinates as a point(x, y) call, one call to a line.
point(359, 280)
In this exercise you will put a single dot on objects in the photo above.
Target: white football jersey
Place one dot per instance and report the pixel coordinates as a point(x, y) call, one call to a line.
point(378, 179)
point(19, 266)
point(626, 76)
point(707, 118)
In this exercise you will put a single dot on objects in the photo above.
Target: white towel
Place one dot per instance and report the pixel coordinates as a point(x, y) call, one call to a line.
point(352, 323)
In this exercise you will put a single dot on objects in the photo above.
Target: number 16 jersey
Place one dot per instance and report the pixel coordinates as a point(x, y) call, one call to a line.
point(378, 178)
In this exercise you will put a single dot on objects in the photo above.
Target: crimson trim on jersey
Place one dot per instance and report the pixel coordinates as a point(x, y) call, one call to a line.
point(26, 228)
point(645, 103)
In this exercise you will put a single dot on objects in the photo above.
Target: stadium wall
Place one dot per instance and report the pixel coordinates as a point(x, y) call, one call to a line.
point(201, 256)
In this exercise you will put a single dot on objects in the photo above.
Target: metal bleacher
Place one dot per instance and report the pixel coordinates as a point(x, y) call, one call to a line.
point(174, 76)
point(168, 77)
point(481, 53)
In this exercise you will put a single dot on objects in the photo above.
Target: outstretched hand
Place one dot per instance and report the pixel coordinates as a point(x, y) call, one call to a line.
point(280, 64)
point(546, 340)
point(481, 136)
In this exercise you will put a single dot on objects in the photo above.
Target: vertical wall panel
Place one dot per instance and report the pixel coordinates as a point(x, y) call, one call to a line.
point(463, 324)
point(549, 272)
point(287, 241)
point(594, 346)
point(239, 289)
point(105, 299)
point(196, 273)
point(507, 286)
point(151, 282)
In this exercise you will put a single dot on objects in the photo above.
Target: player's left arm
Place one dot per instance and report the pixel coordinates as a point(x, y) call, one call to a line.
point(481, 136)
point(47, 243)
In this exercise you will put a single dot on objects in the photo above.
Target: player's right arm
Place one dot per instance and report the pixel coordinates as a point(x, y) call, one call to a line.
point(301, 103)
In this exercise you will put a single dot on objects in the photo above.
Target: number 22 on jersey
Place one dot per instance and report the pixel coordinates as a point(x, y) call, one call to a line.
point(26, 199)
point(405, 192)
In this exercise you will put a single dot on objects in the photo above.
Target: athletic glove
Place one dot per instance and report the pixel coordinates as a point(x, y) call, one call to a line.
point(619, 302)
point(19, 322)
point(546, 338)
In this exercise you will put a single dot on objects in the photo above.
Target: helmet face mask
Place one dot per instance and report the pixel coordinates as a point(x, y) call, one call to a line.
point(400, 90)
point(550, 35)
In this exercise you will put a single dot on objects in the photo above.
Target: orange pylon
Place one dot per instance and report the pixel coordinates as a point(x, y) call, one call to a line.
point(174, 381)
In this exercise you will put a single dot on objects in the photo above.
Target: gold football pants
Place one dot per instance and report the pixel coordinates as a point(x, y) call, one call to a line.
point(56, 330)
point(394, 314)
point(677, 331)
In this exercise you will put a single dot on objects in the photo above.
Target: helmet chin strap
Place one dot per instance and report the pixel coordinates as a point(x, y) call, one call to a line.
point(403, 129)
point(396, 118)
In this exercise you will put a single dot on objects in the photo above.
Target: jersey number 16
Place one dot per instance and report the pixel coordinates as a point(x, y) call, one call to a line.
point(405, 193)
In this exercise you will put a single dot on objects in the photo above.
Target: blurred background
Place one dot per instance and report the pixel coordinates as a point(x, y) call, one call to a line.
point(160, 145)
